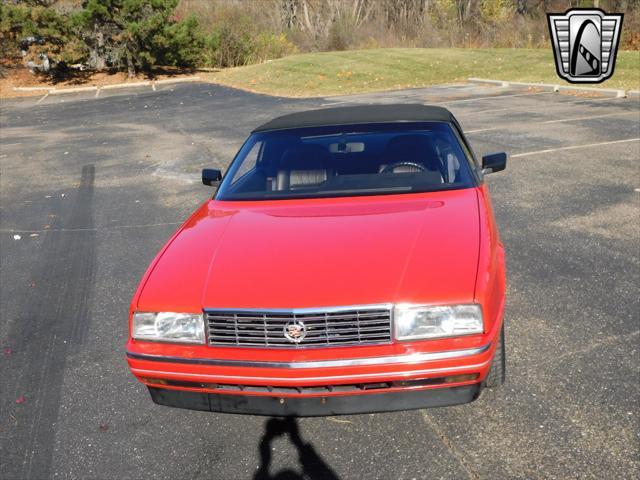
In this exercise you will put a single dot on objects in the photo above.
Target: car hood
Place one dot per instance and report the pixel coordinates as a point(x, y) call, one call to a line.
point(418, 248)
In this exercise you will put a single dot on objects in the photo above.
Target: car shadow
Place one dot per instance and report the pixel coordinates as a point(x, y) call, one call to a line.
point(312, 465)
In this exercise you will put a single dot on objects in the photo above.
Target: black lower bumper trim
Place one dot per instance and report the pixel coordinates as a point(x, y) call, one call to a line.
point(315, 406)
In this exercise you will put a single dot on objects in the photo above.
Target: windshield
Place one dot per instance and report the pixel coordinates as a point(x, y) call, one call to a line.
point(347, 160)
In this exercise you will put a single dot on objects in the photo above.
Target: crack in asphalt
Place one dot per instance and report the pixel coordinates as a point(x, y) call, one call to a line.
point(449, 445)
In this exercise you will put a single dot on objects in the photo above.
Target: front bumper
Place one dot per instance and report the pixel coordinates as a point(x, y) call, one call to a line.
point(315, 387)
point(312, 382)
point(316, 405)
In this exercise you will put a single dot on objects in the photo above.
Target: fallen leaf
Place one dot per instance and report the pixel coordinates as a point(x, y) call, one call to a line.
point(104, 427)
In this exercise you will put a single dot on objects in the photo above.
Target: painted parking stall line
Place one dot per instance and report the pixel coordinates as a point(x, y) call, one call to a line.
point(573, 147)
point(560, 120)
point(107, 228)
point(590, 117)
point(481, 130)
point(492, 97)
point(491, 110)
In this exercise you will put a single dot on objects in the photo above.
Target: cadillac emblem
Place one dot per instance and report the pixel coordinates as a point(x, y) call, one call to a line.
point(295, 331)
point(585, 43)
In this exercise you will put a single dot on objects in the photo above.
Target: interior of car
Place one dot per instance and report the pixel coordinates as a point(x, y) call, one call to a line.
point(348, 161)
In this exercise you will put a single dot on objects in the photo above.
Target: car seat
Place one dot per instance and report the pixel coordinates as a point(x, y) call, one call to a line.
point(304, 165)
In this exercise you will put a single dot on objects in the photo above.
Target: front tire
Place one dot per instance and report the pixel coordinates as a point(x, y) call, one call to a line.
point(498, 370)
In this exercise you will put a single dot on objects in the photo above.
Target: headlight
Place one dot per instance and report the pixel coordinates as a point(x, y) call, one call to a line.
point(168, 326)
point(415, 322)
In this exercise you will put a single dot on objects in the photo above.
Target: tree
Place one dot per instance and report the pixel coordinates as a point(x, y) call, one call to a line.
point(136, 33)
point(40, 31)
point(182, 43)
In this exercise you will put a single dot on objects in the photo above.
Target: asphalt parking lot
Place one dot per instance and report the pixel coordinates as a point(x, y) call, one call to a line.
point(92, 187)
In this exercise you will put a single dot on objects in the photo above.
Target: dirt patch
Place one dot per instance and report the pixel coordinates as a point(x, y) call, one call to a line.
point(614, 222)
point(580, 93)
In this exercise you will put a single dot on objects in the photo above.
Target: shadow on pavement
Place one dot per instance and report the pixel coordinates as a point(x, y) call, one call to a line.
point(312, 465)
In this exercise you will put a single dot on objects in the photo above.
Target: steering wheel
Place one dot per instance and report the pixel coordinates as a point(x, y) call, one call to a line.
point(391, 167)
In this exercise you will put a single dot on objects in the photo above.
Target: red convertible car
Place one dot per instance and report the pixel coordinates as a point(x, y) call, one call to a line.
point(349, 262)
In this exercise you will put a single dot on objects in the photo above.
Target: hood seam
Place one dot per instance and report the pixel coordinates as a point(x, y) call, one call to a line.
point(205, 287)
point(410, 255)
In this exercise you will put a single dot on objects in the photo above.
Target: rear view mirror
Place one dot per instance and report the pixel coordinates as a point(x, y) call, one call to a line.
point(211, 176)
point(494, 162)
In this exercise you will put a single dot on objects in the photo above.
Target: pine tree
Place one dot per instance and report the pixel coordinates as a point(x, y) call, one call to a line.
point(51, 34)
point(135, 33)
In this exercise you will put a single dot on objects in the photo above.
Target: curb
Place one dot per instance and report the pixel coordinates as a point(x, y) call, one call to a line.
point(177, 80)
point(607, 92)
point(55, 91)
point(125, 85)
point(31, 89)
point(146, 83)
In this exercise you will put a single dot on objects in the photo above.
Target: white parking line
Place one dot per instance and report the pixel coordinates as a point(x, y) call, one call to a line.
point(560, 120)
point(465, 114)
point(335, 103)
point(598, 99)
point(95, 229)
point(493, 97)
point(592, 116)
point(573, 147)
point(481, 130)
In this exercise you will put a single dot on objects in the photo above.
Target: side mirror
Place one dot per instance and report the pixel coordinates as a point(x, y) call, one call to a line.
point(494, 162)
point(211, 176)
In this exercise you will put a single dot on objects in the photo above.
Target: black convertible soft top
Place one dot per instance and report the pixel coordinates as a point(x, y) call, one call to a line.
point(411, 112)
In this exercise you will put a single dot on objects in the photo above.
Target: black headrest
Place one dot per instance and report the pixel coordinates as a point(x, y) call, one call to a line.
point(404, 145)
point(305, 157)
point(412, 148)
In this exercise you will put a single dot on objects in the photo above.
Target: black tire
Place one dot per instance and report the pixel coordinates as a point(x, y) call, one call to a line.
point(498, 369)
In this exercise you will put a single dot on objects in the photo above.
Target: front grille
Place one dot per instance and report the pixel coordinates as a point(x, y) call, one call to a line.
point(300, 328)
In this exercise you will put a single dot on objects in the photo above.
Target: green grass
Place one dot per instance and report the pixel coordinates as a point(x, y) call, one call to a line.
point(356, 71)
